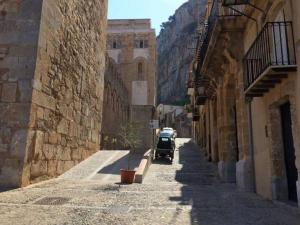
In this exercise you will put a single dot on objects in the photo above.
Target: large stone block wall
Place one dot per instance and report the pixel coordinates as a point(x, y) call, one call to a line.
point(19, 32)
point(142, 116)
point(116, 107)
point(62, 119)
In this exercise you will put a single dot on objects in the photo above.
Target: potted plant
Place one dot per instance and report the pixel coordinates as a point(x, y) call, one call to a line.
point(130, 135)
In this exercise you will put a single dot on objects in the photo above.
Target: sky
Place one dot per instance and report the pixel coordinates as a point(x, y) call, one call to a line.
point(156, 10)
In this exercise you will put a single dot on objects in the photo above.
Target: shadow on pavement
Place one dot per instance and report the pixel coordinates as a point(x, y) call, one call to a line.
point(122, 163)
point(193, 174)
point(215, 203)
point(2, 189)
point(162, 161)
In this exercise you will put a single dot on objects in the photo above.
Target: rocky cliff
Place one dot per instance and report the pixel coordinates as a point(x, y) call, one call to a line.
point(175, 49)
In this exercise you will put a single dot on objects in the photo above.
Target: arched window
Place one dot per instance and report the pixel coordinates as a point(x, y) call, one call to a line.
point(140, 71)
point(140, 68)
point(113, 101)
point(141, 44)
point(106, 94)
point(109, 95)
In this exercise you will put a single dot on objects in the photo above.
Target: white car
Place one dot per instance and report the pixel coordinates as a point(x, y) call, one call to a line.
point(170, 130)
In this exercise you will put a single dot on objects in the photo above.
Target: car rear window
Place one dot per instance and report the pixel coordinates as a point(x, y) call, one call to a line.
point(165, 134)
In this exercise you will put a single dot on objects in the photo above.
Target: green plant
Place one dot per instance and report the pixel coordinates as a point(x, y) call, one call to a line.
point(131, 137)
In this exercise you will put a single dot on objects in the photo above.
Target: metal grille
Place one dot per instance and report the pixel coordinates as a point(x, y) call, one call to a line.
point(274, 46)
point(113, 188)
point(52, 201)
point(217, 12)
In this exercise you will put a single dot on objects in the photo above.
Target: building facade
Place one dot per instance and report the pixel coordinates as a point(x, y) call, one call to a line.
point(132, 45)
point(116, 107)
point(51, 86)
point(245, 94)
point(163, 110)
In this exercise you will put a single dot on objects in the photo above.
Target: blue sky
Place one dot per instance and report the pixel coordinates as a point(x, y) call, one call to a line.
point(157, 10)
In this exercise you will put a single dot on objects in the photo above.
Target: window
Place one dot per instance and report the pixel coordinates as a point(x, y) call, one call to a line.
point(141, 44)
point(114, 44)
point(146, 45)
point(140, 71)
point(140, 68)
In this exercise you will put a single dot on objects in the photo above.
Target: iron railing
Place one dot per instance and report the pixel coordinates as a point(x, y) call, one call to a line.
point(274, 46)
point(217, 11)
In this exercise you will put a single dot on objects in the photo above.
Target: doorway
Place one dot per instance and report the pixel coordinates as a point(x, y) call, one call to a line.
point(289, 151)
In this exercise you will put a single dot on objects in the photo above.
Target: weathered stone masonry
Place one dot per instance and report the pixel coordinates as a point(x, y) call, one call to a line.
point(52, 82)
point(116, 107)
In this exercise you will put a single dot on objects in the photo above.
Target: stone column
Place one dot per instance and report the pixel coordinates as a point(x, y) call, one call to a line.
point(214, 132)
point(208, 128)
point(227, 165)
point(245, 165)
point(296, 26)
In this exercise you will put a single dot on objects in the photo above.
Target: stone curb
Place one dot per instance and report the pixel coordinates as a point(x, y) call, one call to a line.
point(143, 167)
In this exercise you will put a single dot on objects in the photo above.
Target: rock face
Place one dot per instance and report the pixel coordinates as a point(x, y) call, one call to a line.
point(52, 63)
point(175, 49)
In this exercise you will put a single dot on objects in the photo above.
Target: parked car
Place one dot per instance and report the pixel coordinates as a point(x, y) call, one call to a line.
point(165, 146)
point(171, 130)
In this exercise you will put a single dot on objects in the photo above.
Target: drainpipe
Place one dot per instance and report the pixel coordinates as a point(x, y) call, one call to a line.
point(251, 148)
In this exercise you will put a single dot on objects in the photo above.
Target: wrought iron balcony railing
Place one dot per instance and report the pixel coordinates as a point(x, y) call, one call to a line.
point(273, 51)
point(218, 11)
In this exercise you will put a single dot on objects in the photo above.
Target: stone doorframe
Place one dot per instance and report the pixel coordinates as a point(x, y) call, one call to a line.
point(278, 170)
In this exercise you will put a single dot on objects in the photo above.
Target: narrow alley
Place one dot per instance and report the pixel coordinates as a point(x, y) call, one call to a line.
point(185, 192)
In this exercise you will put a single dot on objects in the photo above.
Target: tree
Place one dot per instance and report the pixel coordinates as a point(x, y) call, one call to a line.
point(131, 137)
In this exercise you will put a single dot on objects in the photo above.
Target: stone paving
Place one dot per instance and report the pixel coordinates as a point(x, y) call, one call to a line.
point(185, 192)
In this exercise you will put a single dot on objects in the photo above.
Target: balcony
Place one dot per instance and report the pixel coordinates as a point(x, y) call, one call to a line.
point(201, 95)
point(270, 58)
point(221, 18)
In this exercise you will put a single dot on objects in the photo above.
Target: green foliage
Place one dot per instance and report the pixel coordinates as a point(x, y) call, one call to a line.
point(130, 135)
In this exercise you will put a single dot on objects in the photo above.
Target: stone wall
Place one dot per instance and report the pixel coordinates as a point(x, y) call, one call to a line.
point(132, 46)
point(61, 98)
point(116, 107)
point(142, 116)
point(19, 32)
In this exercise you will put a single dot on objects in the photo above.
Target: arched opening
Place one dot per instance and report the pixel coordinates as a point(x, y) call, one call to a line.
point(114, 45)
point(140, 71)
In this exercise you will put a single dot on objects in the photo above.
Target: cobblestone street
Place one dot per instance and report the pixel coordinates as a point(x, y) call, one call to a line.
point(187, 192)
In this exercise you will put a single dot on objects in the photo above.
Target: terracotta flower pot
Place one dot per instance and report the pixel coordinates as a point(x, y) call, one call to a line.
point(127, 176)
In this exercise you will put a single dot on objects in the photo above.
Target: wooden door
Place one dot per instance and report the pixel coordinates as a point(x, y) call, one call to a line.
point(289, 151)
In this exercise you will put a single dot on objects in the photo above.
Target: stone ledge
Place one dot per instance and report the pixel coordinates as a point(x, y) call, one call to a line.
point(143, 167)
